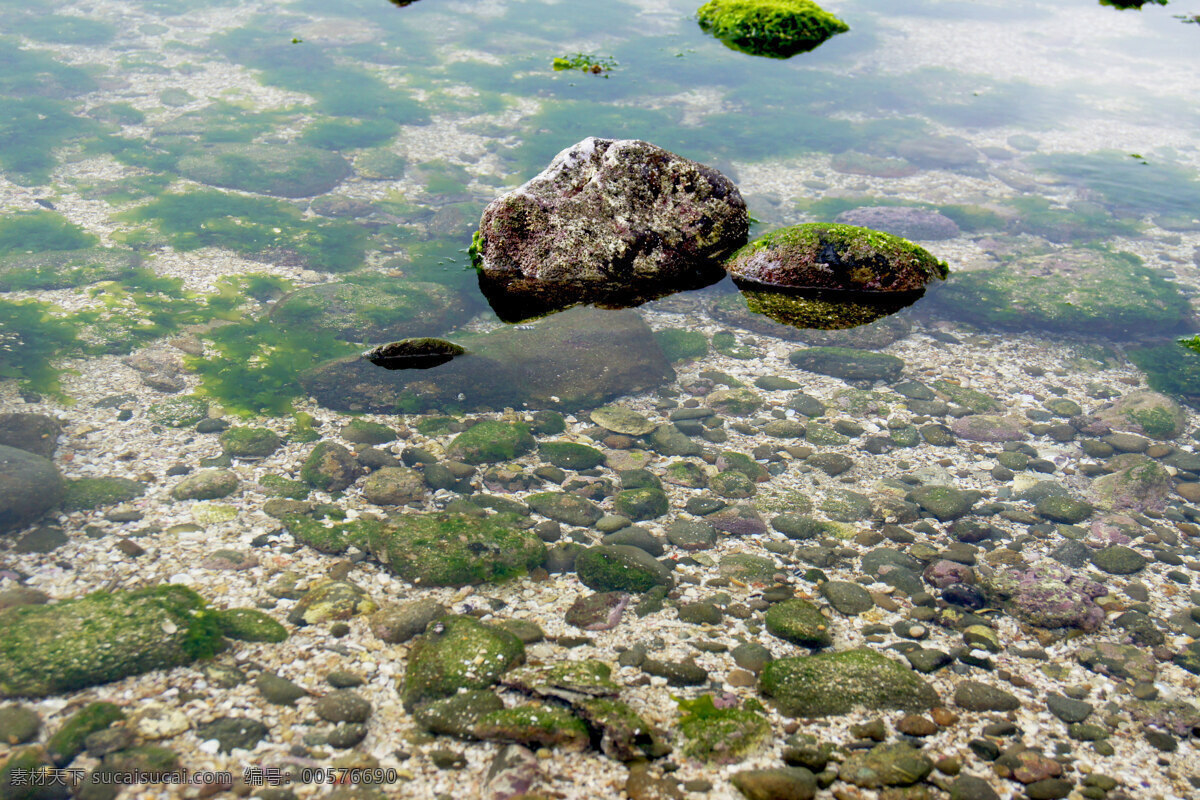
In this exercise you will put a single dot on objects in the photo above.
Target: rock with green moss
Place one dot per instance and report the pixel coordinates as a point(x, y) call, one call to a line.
point(534, 725)
point(624, 735)
point(331, 537)
point(278, 486)
point(1136, 483)
point(641, 504)
point(454, 654)
point(826, 684)
point(363, 431)
point(799, 622)
point(250, 625)
point(244, 442)
point(685, 473)
point(102, 637)
point(565, 507)
point(86, 494)
point(491, 440)
point(890, 764)
point(737, 402)
point(571, 455)
point(679, 344)
point(456, 549)
point(820, 256)
point(365, 310)
point(569, 681)
point(620, 568)
point(283, 170)
point(775, 28)
point(1146, 413)
point(67, 741)
point(391, 486)
point(331, 600)
point(207, 484)
point(456, 715)
point(1089, 291)
point(720, 735)
point(732, 484)
point(848, 363)
point(178, 412)
point(330, 467)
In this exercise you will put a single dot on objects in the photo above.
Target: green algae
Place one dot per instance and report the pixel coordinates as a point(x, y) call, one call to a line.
point(457, 653)
point(250, 625)
point(679, 344)
point(348, 134)
point(86, 494)
point(37, 231)
point(256, 227)
point(67, 741)
point(102, 637)
point(720, 735)
point(775, 28)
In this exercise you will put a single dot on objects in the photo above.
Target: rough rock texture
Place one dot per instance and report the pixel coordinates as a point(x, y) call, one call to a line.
point(818, 255)
point(29, 486)
point(102, 637)
point(579, 358)
point(909, 223)
point(1147, 413)
point(835, 683)
point(613, 214)
point(1049, 596)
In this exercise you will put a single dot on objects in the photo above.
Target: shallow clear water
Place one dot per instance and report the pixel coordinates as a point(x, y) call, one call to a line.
point(202, 204)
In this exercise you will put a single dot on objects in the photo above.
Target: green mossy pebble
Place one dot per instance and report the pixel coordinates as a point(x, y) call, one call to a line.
point(361, 431)
point(67, 741)
point(570, 455)
point(534, 726)
point(18, 724)
point(178, 412)
point(241, 442)
point(330, 467)
point(620, 568)
point(491, 441)
point(86, 494)
point(250, 625)
point(800, 622)
point(207, 484)
point(641, 504)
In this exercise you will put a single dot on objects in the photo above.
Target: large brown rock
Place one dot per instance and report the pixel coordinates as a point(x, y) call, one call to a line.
point(579, 358)
point(609, 216)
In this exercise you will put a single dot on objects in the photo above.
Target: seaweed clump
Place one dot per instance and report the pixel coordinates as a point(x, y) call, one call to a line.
point(774, 28)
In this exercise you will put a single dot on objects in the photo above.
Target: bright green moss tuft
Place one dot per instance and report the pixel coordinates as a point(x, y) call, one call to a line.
point(678, 344)
point(775, 28)
point(37, 231)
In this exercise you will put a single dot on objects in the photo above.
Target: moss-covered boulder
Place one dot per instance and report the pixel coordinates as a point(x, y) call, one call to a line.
point(1089, 291)
point(245, 442)
point(565, 507)
point(102, 637)
point(457, 653)
point(29, 774)
point(62, 269)
point(456, 549)
point(720, 735)
point(620, 568)
point(820, 256)
point(29, 486)
point(85, 494)
point(369, 310)
point(250, 625)
point(1148, 413)
point(331, 600)
point(276, 169)
point(1136, 483)
point(332, 537)
point(836, 683)
point(534, 725)
point(775, 28)
point(571, 455)
point(363, 431)
point(330, 467)
point(491, 440)
point(799, 622)
point(640, 504)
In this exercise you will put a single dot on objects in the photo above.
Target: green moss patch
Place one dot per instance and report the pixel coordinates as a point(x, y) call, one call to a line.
point(86, 494)
point(456, 549)
point(250, 625)
point(775, 28)
point(102, 637)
